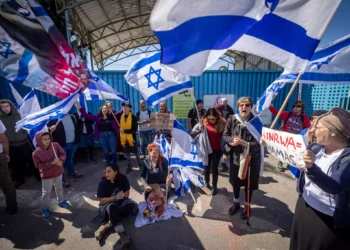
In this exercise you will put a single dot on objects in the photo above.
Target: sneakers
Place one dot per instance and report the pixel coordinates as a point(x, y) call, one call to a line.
point(280, 166)
point(46, 213)
point(75, 176)
point(64, 204)
point(234, 209)
point(65, 184)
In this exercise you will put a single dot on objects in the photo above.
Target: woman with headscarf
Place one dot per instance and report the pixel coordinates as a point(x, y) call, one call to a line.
point(237, 138)
point(322, 213)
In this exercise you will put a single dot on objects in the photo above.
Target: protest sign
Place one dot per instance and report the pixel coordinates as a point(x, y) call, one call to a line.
point(182, 104)
point(288, 148)
point(162, 121)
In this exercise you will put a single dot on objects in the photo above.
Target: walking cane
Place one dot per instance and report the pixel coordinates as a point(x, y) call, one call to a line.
point(248, 198)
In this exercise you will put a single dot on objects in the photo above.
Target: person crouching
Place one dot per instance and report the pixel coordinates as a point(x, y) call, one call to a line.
point(49, 158)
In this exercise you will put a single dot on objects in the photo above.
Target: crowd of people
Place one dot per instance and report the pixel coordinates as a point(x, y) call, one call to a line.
point(322, 214)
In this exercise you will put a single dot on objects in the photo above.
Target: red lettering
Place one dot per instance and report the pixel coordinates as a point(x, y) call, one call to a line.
point(291, 142)
point(299, 144)
point(275, 138)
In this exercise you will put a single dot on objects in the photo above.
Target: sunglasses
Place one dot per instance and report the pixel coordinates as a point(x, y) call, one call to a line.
point(244, 105)
point(297, 106)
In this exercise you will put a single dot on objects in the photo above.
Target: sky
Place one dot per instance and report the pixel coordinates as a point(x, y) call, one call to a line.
point(338, 27)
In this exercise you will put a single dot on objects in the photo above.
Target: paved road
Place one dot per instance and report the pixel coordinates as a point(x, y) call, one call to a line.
point(205, 225)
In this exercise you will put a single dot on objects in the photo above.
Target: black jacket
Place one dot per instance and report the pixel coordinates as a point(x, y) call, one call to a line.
point(59, 135)
point(88, 124)
point(228, 112)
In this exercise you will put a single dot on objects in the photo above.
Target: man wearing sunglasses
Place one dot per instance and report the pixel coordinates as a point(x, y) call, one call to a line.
point(293, 122)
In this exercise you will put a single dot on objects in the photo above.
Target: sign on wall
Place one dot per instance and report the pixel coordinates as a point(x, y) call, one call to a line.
point(182, 104)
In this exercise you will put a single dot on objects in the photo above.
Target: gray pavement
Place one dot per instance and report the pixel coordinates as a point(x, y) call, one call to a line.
point(205, 225)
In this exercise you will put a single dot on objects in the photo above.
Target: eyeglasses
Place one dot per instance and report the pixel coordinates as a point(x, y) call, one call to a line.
point(244, 105)
point(297, 106)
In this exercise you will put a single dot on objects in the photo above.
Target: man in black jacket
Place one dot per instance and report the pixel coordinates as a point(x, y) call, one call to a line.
point(227, 110)
point(21, 147)
point(87, 140)
point(66, 133)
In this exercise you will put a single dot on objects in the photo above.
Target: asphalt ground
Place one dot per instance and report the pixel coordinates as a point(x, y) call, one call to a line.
point(206, 223)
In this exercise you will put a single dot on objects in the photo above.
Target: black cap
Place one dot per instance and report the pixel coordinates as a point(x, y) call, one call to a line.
point(126, 104)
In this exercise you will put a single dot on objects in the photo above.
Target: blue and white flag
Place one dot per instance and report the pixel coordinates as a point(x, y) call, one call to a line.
point(92, 92)
point(53, 112)
point(163, 145)
point(83, 104)
point(330, 64)
point(255, 127)
point(155, 82)
point(16, 95)
point(184, 153)
point(194, 34)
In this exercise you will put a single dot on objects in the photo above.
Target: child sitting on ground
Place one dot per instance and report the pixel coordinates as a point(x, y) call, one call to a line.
point(49, 158)
point(158, 198)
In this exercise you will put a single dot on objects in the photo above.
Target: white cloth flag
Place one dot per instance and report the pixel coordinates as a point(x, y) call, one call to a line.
point(16, 95)
point(330, 64)
point(184, 153)
point(53, 112)
point(92, 92)
point(155, 82)
point(194, 34)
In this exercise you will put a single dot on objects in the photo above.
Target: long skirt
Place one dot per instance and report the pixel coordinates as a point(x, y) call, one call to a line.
point(313, 230)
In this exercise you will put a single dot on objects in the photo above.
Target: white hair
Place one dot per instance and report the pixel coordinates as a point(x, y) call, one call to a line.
point(224, 99)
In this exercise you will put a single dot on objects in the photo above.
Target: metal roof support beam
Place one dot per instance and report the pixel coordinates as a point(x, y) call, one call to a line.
point(68, 7)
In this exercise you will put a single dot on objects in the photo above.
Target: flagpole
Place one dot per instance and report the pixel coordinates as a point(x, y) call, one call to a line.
point(115, 118)
point(171, 151)
point(286, 100)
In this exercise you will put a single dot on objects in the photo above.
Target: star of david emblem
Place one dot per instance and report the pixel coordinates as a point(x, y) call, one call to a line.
point(193, 150)
point(149, 76)
point(5, 53)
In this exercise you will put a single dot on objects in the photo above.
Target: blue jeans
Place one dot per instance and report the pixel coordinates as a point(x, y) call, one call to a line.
point(145, 135)
point(70, 149)
point(108, 142)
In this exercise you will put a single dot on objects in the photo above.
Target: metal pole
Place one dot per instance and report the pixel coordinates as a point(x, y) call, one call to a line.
point(67, 22)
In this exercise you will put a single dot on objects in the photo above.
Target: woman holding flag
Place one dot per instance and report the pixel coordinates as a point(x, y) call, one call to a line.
point(215, 126)
point(237, 137)
point(106, 130)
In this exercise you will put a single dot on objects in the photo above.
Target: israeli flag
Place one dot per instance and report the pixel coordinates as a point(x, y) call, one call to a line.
point(53, 112)
point(255, 127)
point(163, 145)
point(155, 82)
point(184, 153)
point(16, 95)
point(92, 92)
point(330, 64)
point(83, 104)
point(194, 34)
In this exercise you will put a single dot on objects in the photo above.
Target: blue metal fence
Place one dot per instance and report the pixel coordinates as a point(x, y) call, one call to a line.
point(238, 82)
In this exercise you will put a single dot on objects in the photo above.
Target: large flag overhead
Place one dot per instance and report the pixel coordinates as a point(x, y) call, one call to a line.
point(92, 92)
point(194, 34)
point(155, 82)
point(184, 153)
point(330, 64)
point(34, 53)
point(55, 111)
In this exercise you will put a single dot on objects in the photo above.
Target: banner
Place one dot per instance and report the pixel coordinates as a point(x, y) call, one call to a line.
point(288, 148)
point(162, 121)
point(34, 53)
point(182, 104)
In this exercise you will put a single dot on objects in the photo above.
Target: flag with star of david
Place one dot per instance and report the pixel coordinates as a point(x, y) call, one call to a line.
point(34, 53)
point(155, 82)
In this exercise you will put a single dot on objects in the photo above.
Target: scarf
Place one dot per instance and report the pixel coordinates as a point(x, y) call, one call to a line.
point(126, 125)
